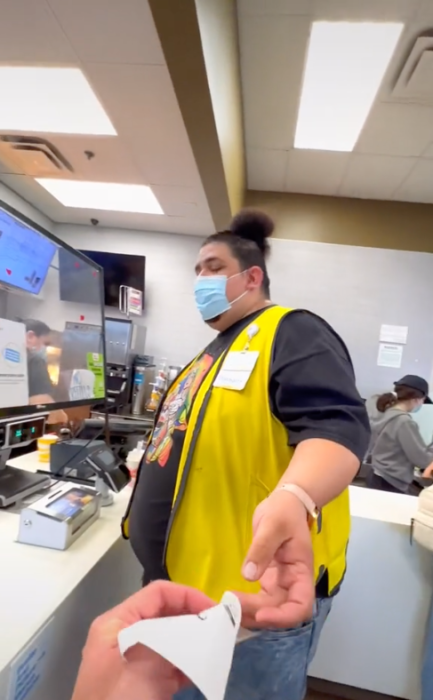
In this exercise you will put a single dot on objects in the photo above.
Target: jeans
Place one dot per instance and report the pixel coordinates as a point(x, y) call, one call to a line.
point(427, 667)
point(273, 665)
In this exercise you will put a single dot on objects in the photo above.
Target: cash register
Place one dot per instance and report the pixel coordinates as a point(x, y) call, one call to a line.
point(18, 484)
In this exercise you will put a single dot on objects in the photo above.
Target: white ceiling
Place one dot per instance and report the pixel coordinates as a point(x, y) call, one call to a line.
point(393, 158)
point(117, 46)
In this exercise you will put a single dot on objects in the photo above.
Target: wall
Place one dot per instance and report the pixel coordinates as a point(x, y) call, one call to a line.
point(174, 328)
point(357, 222)
point(15, 201)
point(355, 289)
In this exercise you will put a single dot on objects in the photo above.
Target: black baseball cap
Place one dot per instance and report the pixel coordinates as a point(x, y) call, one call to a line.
point(414, 382)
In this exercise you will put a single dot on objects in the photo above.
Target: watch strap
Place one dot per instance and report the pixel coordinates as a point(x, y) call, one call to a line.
point(303, 496)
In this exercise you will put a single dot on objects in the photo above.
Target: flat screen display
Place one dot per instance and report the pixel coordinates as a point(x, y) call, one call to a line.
point(70, 503)
point(119, 269)
point(52, 350)
point(25, 254)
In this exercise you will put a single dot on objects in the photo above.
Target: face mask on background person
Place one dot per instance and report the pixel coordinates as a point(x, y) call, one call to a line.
point(211, 295)
point(417, 408)
point(39, 352)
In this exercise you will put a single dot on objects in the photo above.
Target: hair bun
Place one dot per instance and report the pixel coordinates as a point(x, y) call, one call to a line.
point(253, 226)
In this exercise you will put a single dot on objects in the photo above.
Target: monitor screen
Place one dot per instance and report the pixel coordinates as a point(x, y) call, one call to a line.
point(119, 269)
point(52, 351)
point(25, 254)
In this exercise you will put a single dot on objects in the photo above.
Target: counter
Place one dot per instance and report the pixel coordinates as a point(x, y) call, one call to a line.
point(71, 587)
point(373, 638)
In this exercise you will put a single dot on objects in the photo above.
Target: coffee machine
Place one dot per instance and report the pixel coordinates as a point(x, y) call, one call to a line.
point(124, 340)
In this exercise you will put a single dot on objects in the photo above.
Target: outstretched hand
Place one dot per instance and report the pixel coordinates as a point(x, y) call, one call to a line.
point(281, 559)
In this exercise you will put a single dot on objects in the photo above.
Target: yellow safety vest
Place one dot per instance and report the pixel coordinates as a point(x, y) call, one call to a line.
point(235, 452)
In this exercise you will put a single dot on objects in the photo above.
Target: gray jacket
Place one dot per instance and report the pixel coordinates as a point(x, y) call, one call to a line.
point(397, 447)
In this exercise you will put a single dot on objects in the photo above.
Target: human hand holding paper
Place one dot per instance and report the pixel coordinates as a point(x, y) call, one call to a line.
point(104, 675)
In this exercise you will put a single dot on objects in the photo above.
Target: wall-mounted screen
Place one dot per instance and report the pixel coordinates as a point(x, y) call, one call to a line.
point(25, 254)
point(52, 350)
point(119, 269)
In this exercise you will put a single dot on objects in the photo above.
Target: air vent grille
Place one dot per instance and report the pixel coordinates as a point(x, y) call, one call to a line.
point(33, 156)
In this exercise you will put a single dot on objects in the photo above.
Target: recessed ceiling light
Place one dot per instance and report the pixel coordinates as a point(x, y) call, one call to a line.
point(346, 62)
point(50, 100)
point(107, 196)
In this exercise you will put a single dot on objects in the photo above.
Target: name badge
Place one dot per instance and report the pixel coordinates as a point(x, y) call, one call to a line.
point(236, 370)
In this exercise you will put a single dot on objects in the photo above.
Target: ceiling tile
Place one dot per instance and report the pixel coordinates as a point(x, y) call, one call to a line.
point(315, 172)
point(274, 7)
point(425, 10)
point(428, 153)
point(30, 34)
point(418, 187)
point(110, 32)
point(397, 130)
point(272, 58)
point(142, 104)
point(374, 177)
point(266, 169)
point(194, 223)
point(371, 10)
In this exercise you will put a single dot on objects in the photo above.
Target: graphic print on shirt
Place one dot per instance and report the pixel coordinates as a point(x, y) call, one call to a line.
point(175, 411)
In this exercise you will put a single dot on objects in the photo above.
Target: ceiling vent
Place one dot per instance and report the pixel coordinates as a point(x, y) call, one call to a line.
point(32, 156)
point(415, 82)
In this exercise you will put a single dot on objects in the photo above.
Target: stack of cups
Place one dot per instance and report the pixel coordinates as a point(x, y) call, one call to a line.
point(44, 446)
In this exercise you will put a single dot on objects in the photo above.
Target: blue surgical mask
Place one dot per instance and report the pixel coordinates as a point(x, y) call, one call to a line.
point(416, 409)
point(211, 295)
point(40, 352)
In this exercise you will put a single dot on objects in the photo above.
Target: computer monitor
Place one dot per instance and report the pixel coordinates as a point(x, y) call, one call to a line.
point(52, 351)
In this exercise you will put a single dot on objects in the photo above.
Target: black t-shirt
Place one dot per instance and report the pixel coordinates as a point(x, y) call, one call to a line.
point(312, 392)
point(39, 379)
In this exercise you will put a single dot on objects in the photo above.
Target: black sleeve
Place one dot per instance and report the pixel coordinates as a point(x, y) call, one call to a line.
point(39, 379)
point(312, 385)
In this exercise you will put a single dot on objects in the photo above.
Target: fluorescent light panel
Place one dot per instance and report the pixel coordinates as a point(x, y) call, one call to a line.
point(106, 196)
point(50, 100)
point(346, 63)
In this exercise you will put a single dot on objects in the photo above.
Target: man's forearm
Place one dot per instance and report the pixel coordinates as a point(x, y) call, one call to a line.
point(322, 468)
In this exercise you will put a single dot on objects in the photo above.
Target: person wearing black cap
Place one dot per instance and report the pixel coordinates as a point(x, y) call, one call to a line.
point(397, 445)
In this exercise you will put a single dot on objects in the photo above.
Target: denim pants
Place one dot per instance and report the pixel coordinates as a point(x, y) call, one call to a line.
point(427, 667)
point(273, 665)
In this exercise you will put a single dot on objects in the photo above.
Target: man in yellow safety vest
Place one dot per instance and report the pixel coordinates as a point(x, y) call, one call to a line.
point(243, 485)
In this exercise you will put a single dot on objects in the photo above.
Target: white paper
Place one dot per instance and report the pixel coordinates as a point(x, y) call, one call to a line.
point(393, 334)
point(390, 355)
point(27, 669)
point(14, 386)
point(240, 361)
point(201, 646)
point(236, 370)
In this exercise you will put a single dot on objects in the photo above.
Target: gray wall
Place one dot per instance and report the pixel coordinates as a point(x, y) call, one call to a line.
point(357, 289)
point(3, 304)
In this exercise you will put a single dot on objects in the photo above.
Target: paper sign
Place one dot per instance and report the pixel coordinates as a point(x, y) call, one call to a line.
point(390, 355)
point(201, 646)
point(134, 301)
point(27, 669)
point(393, 334)
point(95, 363)
point(14, 386)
